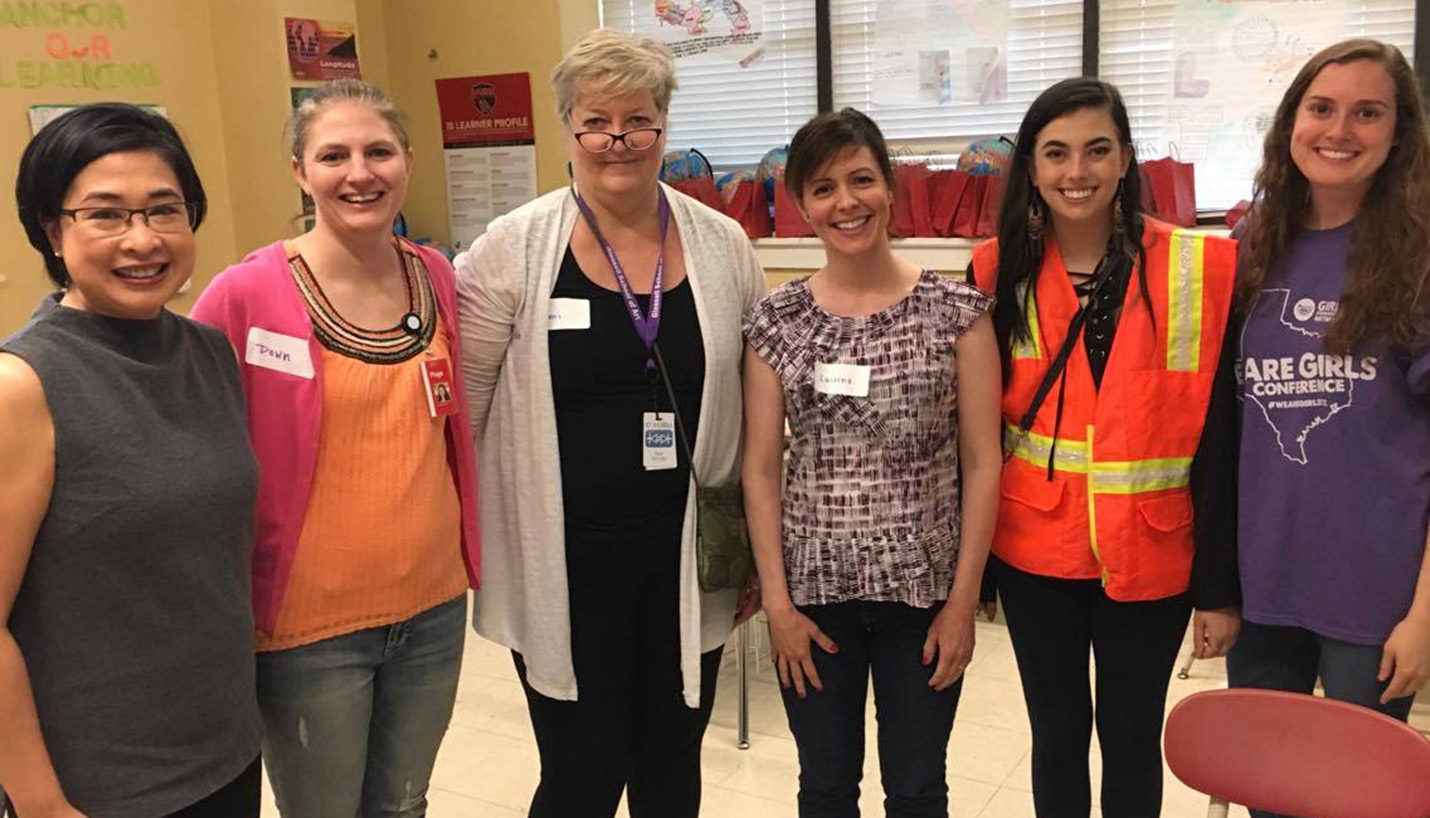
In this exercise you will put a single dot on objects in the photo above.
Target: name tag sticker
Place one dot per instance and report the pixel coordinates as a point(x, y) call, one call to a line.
point(842, 379)
point(278, 352)
point(569, 313)
point(658, 441)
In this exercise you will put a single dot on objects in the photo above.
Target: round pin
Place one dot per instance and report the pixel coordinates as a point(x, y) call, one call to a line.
point(411, 323)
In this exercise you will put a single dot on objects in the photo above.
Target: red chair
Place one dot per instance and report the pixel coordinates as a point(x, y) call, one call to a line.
point(1298, 755)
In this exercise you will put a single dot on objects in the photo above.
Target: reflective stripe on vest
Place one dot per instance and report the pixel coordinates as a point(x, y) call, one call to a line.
point(1185, 268)
point(1031, 347)
point(1106, 477)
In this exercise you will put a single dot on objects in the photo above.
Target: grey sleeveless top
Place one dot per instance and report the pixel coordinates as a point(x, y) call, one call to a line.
point(134, 614)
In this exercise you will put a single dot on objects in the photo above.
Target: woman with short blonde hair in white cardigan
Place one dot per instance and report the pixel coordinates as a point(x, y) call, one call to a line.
point(588, 539)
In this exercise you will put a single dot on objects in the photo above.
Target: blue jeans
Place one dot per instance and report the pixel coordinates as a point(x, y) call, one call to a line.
point(352, 724)
point(885, 639)
point(1277, 657)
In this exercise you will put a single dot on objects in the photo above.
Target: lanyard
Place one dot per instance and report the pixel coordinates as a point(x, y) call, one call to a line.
point(647, 327)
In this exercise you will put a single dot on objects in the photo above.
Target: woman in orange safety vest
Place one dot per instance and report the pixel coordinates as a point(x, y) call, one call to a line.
point(1110, 326)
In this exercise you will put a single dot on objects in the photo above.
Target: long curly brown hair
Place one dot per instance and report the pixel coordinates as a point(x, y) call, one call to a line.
point(1385, 298)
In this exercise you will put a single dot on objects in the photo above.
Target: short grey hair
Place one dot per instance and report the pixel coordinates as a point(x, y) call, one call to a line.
point(346, 90)
point(613, 62)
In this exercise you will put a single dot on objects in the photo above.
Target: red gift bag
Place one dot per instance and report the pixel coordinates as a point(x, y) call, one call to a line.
point(965, 219)
point(788, 221)
point(911, 202)
point(945, 189)
point(751, 209)
point(1236, 214)
point(1170, 191)
point(701, 188)
point(991, 206)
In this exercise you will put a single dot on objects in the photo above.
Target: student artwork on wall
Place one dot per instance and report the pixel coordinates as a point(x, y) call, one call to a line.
point(944, 53)
point(705, 31)
point(321, 49)
point(489, 150)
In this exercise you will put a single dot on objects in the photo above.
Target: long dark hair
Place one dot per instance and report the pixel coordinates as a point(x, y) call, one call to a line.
point(1020, 259)
point(1386, 296)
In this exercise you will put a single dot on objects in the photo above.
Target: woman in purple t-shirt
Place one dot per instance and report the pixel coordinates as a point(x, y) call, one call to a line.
point(1334, 364)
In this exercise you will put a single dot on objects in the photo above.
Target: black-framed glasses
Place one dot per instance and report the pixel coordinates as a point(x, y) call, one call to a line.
point(636, 139)
point(111, 220)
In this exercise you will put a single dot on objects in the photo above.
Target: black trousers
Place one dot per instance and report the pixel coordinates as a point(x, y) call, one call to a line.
point(1053, 624)
point(630, 729)
point(239, 798)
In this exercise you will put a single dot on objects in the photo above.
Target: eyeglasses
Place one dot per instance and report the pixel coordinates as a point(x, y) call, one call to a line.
point(636, 139)
point(169, 217)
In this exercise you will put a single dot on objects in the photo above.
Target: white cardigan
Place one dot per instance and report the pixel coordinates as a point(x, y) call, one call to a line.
point(504, 286)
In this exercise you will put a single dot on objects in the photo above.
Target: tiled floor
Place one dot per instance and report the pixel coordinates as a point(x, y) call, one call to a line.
point(488, 764)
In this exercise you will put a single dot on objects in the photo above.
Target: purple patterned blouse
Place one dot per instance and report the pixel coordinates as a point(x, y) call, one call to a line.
point(871, 500)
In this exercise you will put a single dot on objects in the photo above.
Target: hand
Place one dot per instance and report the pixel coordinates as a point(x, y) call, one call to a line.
point(750, 600)
point(989, 610)
point(790, 635)
point(1405, 660)
point(1214, 632)
point(950, 638)
point(60, 809)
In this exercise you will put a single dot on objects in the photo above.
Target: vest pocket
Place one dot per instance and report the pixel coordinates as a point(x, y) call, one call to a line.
point(1168, 513)
point(1037, 493)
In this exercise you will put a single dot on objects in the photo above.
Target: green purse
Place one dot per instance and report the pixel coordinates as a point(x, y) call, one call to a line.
point(723, 559)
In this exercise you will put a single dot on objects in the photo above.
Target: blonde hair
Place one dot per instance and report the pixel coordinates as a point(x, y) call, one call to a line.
point(346, 90)
point(613, 62)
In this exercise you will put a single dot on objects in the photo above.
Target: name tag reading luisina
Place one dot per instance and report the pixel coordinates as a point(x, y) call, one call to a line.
point(569, 313)
point(842, 379)
point(278, 352)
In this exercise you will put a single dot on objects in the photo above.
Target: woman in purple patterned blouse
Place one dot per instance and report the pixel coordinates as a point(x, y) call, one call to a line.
point(889, 378)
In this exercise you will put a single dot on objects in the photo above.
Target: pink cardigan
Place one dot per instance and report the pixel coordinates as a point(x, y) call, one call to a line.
point(285, 410)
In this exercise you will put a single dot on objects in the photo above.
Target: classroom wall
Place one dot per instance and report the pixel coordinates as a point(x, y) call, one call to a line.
point(431, 39)
point(142, 51)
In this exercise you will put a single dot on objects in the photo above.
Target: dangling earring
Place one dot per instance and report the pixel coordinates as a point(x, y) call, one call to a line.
point(1035, 220)
point(1117, 226)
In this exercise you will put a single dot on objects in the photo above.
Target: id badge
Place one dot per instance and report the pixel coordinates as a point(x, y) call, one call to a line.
point(658, 441)
point(842, 379)
point(437, 383)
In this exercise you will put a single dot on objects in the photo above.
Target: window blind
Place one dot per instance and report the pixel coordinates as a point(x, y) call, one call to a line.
point(734, 114)
point(1201, 81)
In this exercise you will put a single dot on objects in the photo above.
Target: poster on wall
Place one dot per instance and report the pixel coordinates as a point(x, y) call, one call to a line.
point(321, 49)
point(489, 150)
point(42, 115)
point(706, 31)
point(1231, 64)
point(940, 53)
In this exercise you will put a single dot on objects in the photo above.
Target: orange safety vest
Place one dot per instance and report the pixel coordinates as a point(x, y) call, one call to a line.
point(1118, 505)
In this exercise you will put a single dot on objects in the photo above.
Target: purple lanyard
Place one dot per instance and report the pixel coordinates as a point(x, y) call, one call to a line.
point(647, 327)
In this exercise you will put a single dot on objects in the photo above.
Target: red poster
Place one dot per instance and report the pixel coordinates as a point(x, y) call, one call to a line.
point(486, 111)
point(321, 50)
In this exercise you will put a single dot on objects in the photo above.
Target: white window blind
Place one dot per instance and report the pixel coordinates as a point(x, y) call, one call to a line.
point(735, 114)
point(1040, 42)
point(1202, 81)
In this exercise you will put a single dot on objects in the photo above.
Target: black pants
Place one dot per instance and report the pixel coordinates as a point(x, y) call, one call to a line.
point(885, 639)
point(630, 729)
point(239, 798)
point(1053, 623)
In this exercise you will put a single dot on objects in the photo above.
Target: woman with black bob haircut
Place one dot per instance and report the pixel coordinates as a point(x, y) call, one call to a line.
point(1110, 528)
point(871, 549)
point(127, 497)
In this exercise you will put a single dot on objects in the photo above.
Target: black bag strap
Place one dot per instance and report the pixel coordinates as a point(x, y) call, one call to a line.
point(675, 409)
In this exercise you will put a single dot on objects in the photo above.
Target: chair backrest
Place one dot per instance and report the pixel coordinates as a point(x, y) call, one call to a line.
point(1299, 755)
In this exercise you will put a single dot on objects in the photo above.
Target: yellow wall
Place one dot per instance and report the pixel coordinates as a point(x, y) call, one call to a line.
point(172, 38)
point(470, 38)
point(220, 68)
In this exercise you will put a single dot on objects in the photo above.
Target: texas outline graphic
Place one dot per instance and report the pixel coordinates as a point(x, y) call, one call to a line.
point(1330, 410)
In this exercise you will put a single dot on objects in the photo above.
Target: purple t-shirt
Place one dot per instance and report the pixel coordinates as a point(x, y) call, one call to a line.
point(1335, 458)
